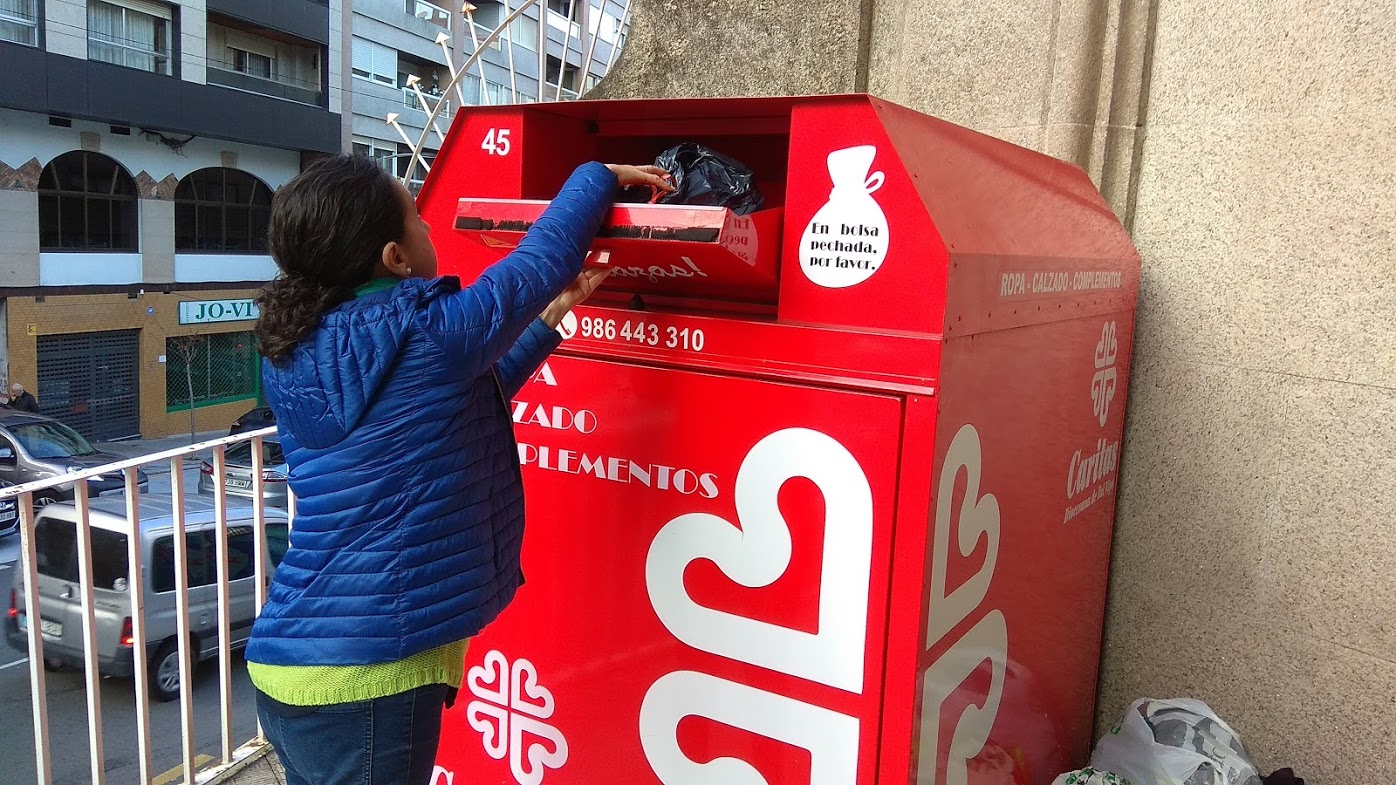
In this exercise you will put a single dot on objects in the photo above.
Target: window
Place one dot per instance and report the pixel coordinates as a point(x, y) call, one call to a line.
point(382, 152)
point(19, 21)
point(499, 93)
point(524, 33)
point(604, 25)
point(240, 454)
point(222, 210)
point(132, 33)
point(374, 62)
point(252, 64)
point(221, 368)
point(556, 71)
point(563, 7)
point(470, 87)
point(50, 440)
point(202, 567)
point(419, 175)
point(87, 202)
point(198, 565)
point(56, 545)
point(241, 554)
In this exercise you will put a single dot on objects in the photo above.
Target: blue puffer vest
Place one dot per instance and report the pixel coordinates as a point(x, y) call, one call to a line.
point(393, 418)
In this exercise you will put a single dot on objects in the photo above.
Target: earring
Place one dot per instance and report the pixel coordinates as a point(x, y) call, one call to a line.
point(409, 272)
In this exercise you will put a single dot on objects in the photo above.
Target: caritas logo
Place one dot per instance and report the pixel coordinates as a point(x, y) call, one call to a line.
point(510, 712)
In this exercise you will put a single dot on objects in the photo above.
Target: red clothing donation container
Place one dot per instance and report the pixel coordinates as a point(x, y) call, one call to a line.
point(821, 494)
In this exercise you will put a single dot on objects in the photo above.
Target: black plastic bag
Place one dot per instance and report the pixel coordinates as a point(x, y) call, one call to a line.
point(703, 176)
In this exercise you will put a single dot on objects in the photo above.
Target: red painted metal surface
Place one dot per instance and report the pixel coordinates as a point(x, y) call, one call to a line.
point(846, 522)
point(654, 248)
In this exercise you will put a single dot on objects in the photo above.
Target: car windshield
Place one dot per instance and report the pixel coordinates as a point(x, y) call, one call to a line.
point(51, 440)
point(240, 454)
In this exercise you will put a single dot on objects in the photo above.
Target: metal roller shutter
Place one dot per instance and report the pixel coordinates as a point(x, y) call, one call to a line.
point(91, 381)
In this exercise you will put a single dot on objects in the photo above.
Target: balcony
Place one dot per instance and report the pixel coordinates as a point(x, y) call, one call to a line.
point(429, 12)
point(262, 61)
point(411, 100)
point(227, 75)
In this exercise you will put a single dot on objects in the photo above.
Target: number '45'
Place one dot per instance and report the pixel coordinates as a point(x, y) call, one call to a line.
point(496, 142)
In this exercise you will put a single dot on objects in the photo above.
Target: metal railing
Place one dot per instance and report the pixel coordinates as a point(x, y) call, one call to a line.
point(227, 74)
point(426, 102)
point(31, 611)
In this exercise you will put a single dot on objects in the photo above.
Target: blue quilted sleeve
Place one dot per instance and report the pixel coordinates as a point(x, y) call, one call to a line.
point(482, 321)
point(529, 352)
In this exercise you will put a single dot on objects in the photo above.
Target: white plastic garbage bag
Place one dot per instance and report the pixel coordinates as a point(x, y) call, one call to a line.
point(1175, 742)
point(1090, 777)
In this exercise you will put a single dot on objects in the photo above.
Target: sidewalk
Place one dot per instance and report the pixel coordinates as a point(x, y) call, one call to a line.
point(135, 448)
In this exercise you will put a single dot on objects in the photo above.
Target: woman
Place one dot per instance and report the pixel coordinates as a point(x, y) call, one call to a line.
point(389, 386)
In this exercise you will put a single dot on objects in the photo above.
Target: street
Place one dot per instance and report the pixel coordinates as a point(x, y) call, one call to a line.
point(67, 707)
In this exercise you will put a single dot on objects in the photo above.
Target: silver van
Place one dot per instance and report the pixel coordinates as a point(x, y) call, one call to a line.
point(60, 603)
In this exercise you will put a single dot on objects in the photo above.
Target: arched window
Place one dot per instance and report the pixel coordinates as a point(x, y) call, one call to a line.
point(87, 202)
point(221, 210)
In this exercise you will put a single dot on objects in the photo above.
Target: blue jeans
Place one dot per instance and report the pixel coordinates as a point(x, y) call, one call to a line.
point(386, 741)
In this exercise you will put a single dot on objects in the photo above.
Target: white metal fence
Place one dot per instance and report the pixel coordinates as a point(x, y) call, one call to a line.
point(29, 566)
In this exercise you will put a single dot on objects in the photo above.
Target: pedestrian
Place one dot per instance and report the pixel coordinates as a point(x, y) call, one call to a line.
point(21, 400)
point(390, 387)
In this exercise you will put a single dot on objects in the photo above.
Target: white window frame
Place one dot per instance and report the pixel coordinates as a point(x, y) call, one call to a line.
point(24, 22)
point(159, 11)
point(369, 58)
point(380, 151)
point(234, 51)
point(610, 33)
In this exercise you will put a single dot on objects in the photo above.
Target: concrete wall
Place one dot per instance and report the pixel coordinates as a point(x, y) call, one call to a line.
point(1250, 148)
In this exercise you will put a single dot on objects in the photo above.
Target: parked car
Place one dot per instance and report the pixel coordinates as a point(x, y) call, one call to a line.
point(60, 604)
point(34, 447)
point(255, 420)
point(237, 477)
point(9, 513)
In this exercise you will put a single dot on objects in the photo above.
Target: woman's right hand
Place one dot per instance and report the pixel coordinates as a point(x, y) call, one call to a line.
point(650, 176)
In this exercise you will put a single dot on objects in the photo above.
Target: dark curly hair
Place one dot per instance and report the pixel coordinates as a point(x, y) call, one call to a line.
point(328, 229)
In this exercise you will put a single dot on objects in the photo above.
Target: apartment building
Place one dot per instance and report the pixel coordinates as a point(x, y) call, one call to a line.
point(140, 143)
point(402, 53)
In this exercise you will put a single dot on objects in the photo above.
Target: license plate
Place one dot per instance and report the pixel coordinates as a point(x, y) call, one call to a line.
point(6, 517)
point(239, 484)
point(49, 628)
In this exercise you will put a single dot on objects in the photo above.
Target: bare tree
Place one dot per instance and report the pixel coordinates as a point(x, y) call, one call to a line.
point(187, 348)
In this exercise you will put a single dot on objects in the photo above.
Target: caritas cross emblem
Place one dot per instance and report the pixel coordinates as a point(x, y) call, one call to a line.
point(510, 712)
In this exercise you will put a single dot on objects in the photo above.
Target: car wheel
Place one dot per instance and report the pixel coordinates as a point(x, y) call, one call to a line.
point(164, 673)
point(53, 664)
point(43, 500)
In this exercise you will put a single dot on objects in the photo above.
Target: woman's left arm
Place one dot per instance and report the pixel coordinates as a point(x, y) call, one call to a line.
point(520, 363)
point(540, 339)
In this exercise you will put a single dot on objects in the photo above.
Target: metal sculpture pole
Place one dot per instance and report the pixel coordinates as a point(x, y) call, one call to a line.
point(455, 79)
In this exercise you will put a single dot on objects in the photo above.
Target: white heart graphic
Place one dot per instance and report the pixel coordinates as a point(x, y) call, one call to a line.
point(979, 518)
point(987, 641)
point(492, 723)
point(490, 680)
point(539, 757)
point(758, 553)
point(1102, 393)
point(831, 738)
point(525, 682)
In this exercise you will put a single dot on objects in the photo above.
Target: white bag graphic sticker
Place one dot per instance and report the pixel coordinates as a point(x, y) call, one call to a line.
point(846, 241)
